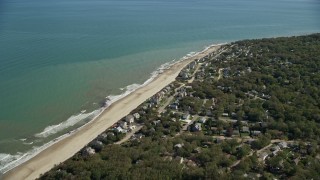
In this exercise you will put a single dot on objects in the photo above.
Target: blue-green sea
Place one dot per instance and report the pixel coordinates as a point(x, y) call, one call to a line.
point(59, 58)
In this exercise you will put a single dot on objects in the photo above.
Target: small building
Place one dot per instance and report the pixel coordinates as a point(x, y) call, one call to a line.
point(174, 106)
point(275, 148)
point(185, 116)
point(156, 122)
point(167, 158)
point(283, 144)
point(96, 145)
point(136, 115)
point(179, 159)
point(256, 133)
point(102, 136)
point(209, 113)
point(197, 150)
point(245, 129)
point(130, 119)
point(182, 94)
point(123, 124)
point(191, 163)
point(263, 156)
point(235, 133)
point(225, 114)
point(120, 130)
point(110, 134)
point(202, 120)
point(139, 135)
point(196, 127)
point(88, 151)
point(184, 75)
point(132, 127)
point(177, 146)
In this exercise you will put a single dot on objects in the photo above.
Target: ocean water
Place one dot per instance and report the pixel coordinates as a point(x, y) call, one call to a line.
point(60, 59)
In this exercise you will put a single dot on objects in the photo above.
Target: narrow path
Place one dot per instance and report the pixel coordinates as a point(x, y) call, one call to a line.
point(128, 135)
point(220, 74)
point(193, 75)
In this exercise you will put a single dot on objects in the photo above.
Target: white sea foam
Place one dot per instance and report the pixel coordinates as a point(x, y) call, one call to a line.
point(3, 157)
point(68, 123)
point(29, 143)
point(8, 161)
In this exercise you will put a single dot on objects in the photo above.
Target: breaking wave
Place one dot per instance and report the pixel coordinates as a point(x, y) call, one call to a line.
point(73, 120)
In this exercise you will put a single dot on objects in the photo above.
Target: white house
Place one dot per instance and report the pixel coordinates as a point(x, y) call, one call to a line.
point(186, 116)
point(263, 156)
point(178, 146)
point(156, 122)
point(196, 127)
point(120, 130)
point(283, 144)
point(123, 124)
point(202, 120)
point(245, 129)
point(130, 119)
point(136, 115)
point(88, 151)
point(225, 114)
point(132, 127)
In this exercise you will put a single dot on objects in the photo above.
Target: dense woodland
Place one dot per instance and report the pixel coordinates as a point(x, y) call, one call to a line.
point(270, 84)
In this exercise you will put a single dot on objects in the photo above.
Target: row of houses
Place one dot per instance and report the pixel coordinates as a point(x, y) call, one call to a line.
point(127, 124)
point(156, 99)
point(272, 151)
point(185, 73)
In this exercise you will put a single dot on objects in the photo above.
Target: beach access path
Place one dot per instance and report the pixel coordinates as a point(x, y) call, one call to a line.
point(67, 147)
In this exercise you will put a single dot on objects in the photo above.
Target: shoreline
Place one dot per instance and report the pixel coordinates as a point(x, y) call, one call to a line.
point(65, 147)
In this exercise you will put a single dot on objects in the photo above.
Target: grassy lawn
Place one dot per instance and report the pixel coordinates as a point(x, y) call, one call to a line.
point(245, 134)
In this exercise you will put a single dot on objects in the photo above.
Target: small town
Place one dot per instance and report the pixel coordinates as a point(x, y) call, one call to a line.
point(207, 124)
point(180, 109)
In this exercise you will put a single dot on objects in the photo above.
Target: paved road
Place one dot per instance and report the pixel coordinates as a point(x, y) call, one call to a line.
point(168, 101)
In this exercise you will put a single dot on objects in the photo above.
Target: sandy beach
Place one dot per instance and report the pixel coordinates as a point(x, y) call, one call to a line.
point(66, 148)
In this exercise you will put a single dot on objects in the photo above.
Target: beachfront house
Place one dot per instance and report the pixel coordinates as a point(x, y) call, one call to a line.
point(192, 65)
point(184, 75)
point(120, 130)
point(130, 119)
point(123, 124)
point(88, 151)
point(136, 115)
point(102, 136)
point(157, 98)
